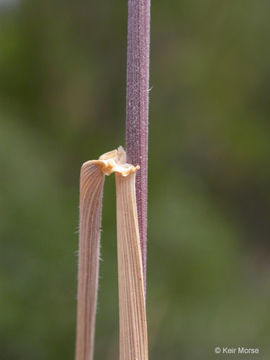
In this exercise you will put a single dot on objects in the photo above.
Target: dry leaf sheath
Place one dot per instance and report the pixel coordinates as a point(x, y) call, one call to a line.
point(132, 314)
point(132, 317)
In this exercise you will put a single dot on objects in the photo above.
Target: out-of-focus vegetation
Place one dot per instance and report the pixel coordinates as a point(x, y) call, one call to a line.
point(62, 97)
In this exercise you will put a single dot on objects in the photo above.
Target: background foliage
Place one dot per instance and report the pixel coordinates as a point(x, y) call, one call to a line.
point(62, 97)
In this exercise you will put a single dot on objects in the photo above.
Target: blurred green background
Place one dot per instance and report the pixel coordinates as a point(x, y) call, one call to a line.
point(62, 101)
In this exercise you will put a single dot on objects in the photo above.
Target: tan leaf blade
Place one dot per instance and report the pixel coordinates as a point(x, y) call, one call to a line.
point(132, 313)
point(91, 188)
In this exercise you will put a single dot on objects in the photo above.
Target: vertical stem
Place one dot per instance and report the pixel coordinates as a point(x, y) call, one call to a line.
point(137, 106)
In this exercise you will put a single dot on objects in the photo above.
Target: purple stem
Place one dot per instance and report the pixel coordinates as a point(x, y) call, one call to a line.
point(137, 106)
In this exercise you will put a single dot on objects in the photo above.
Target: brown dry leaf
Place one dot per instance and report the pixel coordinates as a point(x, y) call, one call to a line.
point(132, 313)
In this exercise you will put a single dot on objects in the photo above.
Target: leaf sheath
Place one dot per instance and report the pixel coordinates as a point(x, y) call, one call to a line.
point(132, 314)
